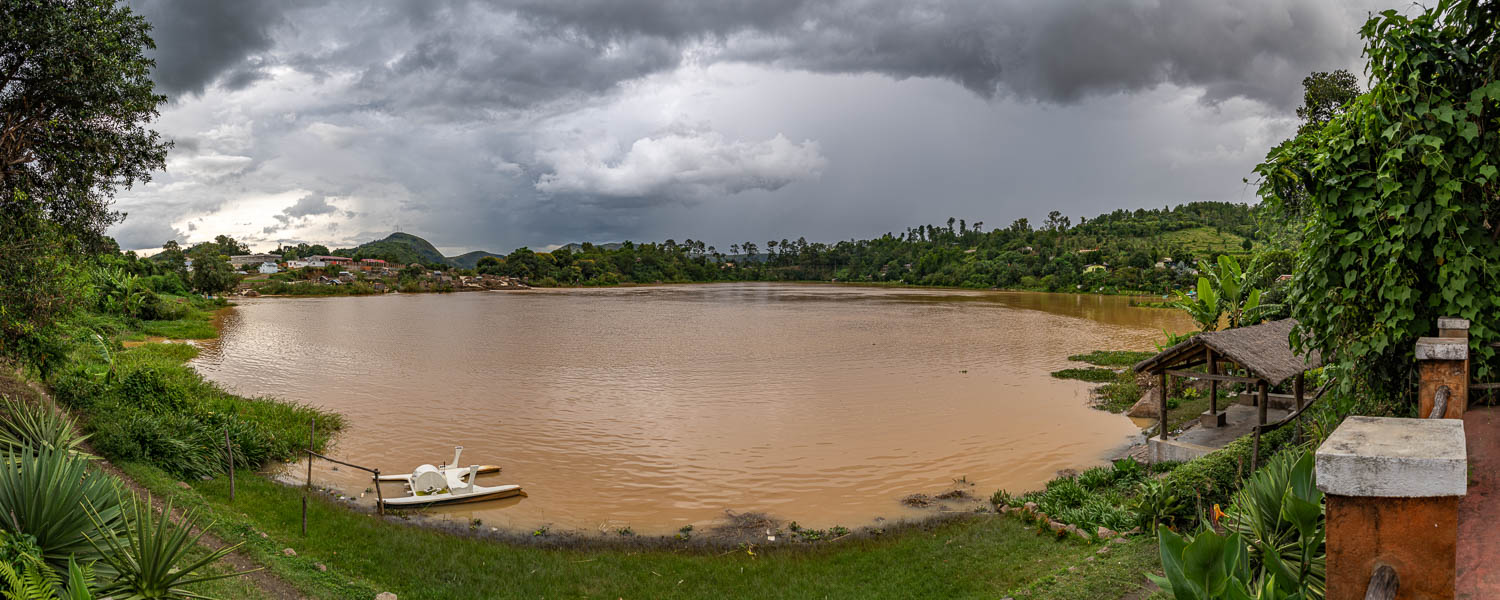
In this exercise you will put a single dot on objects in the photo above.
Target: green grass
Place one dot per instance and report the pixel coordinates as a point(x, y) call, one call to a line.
point(1112, 358)
point(986, 556)
point(198, 325)
point(1202, 240)
point(1090, 374)
point(1119, 395)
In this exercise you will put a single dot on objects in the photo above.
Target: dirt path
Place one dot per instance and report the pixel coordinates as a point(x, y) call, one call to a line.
point(268, 583)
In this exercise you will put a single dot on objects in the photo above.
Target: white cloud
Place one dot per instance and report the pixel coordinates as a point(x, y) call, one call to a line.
point(207, 166)
point(687, 165)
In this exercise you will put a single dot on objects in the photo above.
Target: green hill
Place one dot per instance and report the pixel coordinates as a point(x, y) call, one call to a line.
point(471, 259)
point(403, 248)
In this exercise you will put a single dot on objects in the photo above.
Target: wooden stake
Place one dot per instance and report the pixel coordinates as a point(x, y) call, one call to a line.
point(229, 449)
point(312, 432)
point(379, 499)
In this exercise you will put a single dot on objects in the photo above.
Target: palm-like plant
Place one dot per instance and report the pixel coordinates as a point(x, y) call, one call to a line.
point(1236, 291)
point(43, 493)
point(1204, 308)
point(1279, 512)
point(25, 426)
point(146, 555)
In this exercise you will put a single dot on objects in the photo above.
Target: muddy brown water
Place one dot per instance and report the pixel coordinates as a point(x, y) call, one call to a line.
point(658, 407)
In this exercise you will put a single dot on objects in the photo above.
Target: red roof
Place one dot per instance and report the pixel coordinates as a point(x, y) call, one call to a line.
point(328, 258)
point(372, 260)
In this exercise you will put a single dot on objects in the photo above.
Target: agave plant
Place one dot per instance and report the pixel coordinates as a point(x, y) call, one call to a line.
point(1279, 512)
point(149, 556)
point(27, 426)
point(43, 494)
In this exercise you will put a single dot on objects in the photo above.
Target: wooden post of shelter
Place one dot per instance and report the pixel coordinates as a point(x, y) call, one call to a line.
point(1213, 386)
point(1299, 391)
point(1164, 381)
point(1261, 399)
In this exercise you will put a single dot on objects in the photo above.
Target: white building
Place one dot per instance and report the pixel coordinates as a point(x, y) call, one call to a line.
point(268, 268)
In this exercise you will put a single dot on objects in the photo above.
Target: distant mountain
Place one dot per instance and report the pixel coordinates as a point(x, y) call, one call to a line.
point(577, 247)
point(403, 248)
point(471, 259)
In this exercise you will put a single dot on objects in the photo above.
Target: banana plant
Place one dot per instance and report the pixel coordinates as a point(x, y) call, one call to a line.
point(1204, 308)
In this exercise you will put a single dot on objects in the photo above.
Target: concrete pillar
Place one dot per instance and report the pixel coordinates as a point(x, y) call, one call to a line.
point(1393, 487)
point(1443, 362)
point(1453, 327)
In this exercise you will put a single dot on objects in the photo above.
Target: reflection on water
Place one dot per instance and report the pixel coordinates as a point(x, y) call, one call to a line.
point(656, 407)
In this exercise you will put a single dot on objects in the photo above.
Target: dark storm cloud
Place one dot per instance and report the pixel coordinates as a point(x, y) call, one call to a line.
point(1056, 51)
point(198, 41)
point(143, 233)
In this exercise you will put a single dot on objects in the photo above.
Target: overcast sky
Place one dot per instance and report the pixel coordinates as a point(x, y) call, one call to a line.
point(540, 122)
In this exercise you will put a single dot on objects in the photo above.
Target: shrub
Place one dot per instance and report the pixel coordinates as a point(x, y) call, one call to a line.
point(1096, 478)
point(1158, 504)
point(1128, 470)
point(177, 443)
point(43, 495)
point(151, 389)
point(1090, 374)
point(1211, 479)
point(1062, 493)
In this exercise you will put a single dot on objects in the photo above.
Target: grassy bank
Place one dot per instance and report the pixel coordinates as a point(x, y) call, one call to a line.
point(981, 556)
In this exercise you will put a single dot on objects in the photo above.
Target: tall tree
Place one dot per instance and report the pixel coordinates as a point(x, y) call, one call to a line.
point(75, 99)
point(1401, 195)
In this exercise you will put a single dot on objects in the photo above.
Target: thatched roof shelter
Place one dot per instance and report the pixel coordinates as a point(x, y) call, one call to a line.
point(1264, 350)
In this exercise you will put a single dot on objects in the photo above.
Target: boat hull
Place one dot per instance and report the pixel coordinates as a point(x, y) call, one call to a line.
point(480, 494)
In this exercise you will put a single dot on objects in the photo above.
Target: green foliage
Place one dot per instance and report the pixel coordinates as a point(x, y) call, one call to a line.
point(1128, 470)
point(159, 410)
point(1096, 478)
point(78, 94)
point(1399, 193)
point(1091, 374)
point(1211, 479)
point(1112, 358)
point(1279, 513)
point(1157, 504)
point(26, 425)
point(150, 559)
point(43, 494)
point(212, 273)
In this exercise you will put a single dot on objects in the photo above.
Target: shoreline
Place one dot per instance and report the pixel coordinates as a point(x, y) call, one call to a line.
point(721, 528)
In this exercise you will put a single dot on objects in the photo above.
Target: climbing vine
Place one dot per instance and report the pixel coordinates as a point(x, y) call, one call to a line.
point(1399, 193)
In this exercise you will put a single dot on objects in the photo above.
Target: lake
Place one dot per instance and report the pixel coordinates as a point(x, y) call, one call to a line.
point(661, 406)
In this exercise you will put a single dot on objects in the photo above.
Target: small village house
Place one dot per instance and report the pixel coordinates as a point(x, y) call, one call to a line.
point(268, 268)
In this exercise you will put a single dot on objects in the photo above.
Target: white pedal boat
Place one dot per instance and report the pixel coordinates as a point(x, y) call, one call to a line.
point(445, 468)
point(428, 485)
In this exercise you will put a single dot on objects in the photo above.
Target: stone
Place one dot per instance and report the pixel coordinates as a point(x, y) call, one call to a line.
point(288, 552)
point(1394, 458)
point(385, 596)
point(1105, 533)
point(321, 567)
point(1452, 323)
point(1030, 507)
point(184, 485)
point(263, 535)
point(1436, 348)
point(1056, 527)
point(1118, 540)
point(1104, 550)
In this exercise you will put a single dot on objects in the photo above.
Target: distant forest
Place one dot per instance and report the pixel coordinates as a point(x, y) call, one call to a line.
point(1146, 250)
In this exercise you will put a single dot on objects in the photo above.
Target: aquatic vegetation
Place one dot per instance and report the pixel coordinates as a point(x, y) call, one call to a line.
point(1090, 374)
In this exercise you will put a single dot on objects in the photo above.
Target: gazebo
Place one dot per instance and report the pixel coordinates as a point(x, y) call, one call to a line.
point(1259, 356)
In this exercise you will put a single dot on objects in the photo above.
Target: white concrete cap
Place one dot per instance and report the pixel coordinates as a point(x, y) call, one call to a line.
point(1437, 348)
point(1452, 323)
point(1384, 457)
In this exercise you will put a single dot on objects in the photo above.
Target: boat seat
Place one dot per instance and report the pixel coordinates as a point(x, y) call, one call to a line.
point(428, 479)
